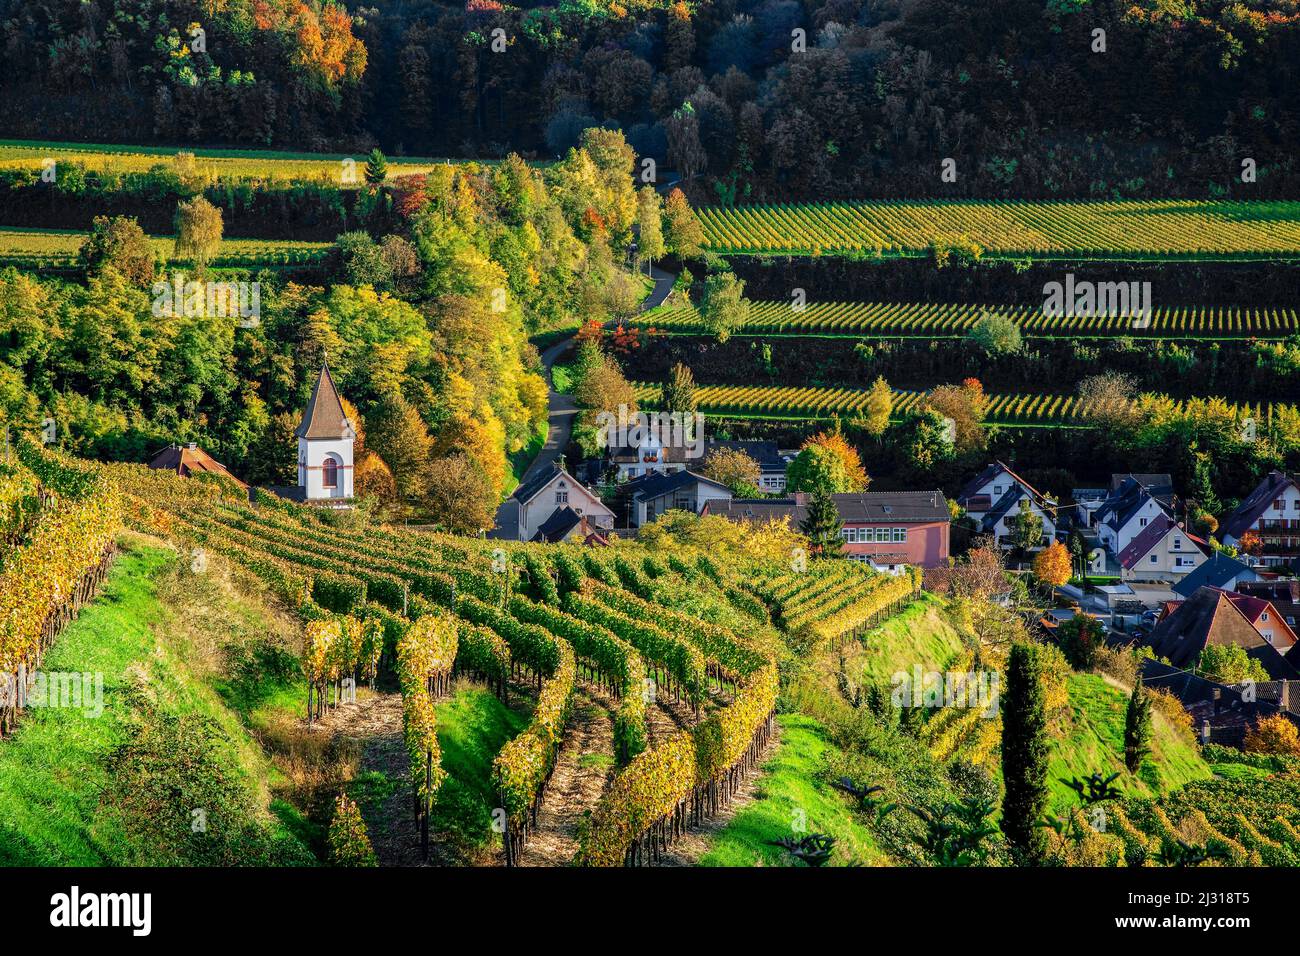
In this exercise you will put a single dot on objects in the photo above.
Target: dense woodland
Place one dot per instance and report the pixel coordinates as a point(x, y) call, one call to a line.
point(866, 101)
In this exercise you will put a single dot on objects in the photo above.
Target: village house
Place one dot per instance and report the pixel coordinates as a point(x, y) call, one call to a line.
point(1211, 616)
point(888, 530)
point(552, 505)
point(1163, 551)
point(1272, 513)
point(1127, 511)
point(992, 499)
point(651, 495)
point(1218, 571)
point(652, 457)
point(190, 460)
point(1282, 593)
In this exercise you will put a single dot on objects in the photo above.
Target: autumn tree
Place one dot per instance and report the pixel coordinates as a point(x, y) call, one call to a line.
point(399, 435)
point(684, 234)
point(685, 151)
point(1026, 527)
point(1250, 543)
point(1229, 664)
point(121, 244)
point(198, 231)
point(723, 307)
point(650, 232)
point(679, 391)
point(1273, 735)
point(735, 469)
point(874, 416)
point(1108, 399)
point(995, 334)
point(965, 406)
point(458, 495)
point(827, 462)
point(1052, 566)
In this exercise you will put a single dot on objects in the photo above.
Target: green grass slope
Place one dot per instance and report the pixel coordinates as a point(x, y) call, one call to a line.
point(123, 788)
point(791, 793)
point(1095, 743)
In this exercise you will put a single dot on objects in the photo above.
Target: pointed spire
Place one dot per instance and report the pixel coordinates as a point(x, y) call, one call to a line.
point(324, 416)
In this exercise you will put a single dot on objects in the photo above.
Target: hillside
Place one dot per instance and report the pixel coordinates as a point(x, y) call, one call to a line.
point(174, 736)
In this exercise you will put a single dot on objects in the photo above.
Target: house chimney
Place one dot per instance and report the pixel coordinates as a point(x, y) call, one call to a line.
point(194, 446)
point(1205, 731)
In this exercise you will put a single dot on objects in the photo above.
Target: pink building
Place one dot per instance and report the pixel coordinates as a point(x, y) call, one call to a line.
point(886, 529)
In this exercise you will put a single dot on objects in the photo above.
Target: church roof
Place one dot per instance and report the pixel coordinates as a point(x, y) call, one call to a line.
point(324, 417)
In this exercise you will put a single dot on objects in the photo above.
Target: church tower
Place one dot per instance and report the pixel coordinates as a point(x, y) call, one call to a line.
point(325, 440)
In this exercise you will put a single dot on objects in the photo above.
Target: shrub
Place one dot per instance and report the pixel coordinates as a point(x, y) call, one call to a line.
point(348, 843)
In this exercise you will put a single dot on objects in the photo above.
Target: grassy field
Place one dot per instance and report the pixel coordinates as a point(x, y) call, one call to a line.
point(1146, 230)
point(932, 320)
point(229, 164)
point(67, 796)
point(56, 248)
point(779, 402)
point(790, 785)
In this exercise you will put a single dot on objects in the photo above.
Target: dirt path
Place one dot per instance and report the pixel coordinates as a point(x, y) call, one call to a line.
point(374, 723)
point(582, 770)
point(688, 850)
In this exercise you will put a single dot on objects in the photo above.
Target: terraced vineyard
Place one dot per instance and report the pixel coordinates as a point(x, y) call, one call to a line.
point(229, 164)
point(933, 320)
point(57, 249)
point(791, 401)
point(1145, 230)
point(686, 651)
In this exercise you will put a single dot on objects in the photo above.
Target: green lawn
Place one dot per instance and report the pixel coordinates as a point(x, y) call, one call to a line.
point(790, 793)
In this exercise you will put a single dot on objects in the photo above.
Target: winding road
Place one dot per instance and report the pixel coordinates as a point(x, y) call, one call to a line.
point(563, 409)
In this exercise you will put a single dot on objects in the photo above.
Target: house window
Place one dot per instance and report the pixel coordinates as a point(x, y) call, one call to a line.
point(997, 489)
point(1264, 617)
point(331, 473)
point(882, 534)
point(847, 534)
point(1142, 522)
point(561, 497)
point(1154, 559)
point(1178, 544)
point(1279, 504)
point(900, 534)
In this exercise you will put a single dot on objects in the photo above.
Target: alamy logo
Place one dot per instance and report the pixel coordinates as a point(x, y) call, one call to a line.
point(66, 690)
point(933, 690)
point(626, 429)
point(133, 910)
point(1097, 299)
point(221, 300)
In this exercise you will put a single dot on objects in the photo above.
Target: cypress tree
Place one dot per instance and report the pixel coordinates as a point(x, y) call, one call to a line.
point(1024, 755)
point(1137, 727)
point(822, 525)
